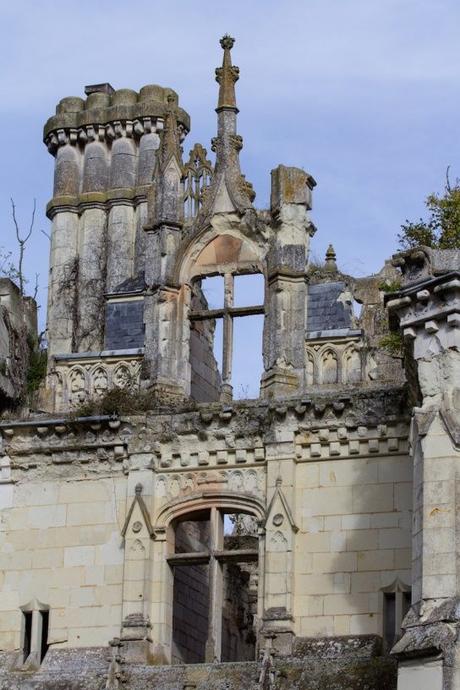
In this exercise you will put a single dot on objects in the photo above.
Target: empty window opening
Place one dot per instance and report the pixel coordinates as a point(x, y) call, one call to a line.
point(396, 604)
point(357, 309)
point(44, 625)
point(226, 337)
point(249, 289)
point(213, 291)
point(27, 642)
point(190, 613)
point(215, 587)
point(35, 629)
point(247, 356)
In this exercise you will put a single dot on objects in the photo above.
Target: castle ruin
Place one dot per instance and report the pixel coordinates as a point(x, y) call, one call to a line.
point(161, 529)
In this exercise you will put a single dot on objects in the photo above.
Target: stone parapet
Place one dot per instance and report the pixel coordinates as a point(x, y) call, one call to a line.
point(103, 114)
point(75, 379)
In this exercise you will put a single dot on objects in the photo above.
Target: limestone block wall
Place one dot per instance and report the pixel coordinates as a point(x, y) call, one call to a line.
point(353, 502)
point(61, 544)
point(205, 376)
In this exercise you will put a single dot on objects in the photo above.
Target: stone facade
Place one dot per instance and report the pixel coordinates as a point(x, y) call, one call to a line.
point(145, 545)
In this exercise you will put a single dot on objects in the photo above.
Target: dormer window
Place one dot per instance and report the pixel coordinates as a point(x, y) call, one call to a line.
point(227, 319)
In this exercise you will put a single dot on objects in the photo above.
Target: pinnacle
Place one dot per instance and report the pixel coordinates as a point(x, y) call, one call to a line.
point(227, 42)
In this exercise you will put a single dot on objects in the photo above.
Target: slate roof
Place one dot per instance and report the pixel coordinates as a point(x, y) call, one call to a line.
point(324, 312)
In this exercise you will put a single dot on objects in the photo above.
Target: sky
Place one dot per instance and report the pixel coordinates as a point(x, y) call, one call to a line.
point(363, 94)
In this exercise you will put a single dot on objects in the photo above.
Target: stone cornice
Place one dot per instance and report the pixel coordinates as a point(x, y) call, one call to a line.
point(428, 305)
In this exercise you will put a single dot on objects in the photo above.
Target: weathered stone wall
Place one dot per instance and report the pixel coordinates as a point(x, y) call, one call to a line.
point(18, 335)
point(334, 484)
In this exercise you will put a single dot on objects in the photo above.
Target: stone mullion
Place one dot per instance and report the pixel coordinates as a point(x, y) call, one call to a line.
point(214, 641)
point(227, 355)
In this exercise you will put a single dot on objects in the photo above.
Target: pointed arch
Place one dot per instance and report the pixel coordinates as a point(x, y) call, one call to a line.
point(352, 366)
point(329, 370)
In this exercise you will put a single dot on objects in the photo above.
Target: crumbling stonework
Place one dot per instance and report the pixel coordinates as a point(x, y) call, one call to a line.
point(199, 541)
point(18, 332)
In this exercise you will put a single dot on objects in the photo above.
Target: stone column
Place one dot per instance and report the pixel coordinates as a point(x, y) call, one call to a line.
point(63, 279)
point(429, 316)
point(91, 281)
point(285, 324)
point(167, 341)
point(120, 243)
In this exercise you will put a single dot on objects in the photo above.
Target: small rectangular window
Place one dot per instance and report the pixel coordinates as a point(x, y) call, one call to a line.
point(27, 644)
point(389, 618)
point(44, 620)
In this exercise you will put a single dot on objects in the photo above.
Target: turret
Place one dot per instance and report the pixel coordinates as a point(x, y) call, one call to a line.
point(105, 150)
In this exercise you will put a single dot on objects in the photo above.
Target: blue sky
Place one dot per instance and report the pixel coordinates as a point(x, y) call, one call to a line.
point(364, 94)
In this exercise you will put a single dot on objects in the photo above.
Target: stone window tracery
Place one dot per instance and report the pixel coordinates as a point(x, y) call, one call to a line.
point(215, 587)
point(197, 173)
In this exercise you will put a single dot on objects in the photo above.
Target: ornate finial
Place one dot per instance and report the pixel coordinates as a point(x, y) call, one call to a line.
point(227, 42)
point(138, 489)
point(330, 263)
point(226, 76)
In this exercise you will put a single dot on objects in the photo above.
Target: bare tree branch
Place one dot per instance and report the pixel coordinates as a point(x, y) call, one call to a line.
point(37, 275)
point(22, 241)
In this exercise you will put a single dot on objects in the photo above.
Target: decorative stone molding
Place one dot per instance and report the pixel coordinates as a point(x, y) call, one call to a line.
point(171, 486)
point(344, 442)
point(76, 379)
point(336, 361)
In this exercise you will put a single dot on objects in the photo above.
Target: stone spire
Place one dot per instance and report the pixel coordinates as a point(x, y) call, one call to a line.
point(227, 76)
point(229, 190)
